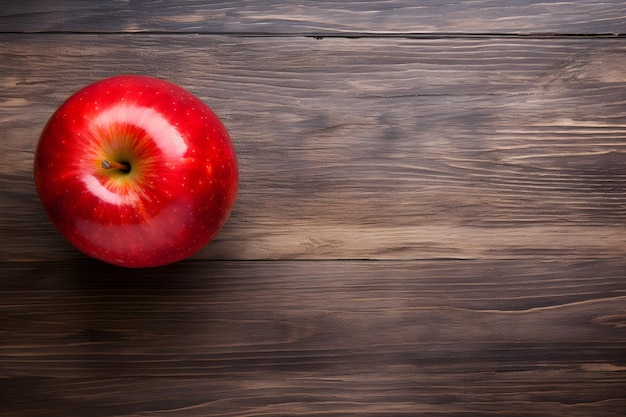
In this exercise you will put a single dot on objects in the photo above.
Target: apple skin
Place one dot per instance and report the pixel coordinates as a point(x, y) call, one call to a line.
point(179, 191)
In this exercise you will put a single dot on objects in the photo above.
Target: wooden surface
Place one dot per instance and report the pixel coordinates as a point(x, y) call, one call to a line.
point(431, 218)
point(329, 17)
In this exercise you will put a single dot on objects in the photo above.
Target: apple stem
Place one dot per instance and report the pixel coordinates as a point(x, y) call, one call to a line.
point(115, 165)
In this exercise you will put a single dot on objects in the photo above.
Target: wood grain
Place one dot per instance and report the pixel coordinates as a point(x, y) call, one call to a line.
point(430, 222)
point(512, 338)
point(363, 149)
point(254, 17)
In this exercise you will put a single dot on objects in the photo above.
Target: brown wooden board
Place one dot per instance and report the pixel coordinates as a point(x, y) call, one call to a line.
point(392, 338)
point(371, 148)
point(431, 218)
point(254, 17)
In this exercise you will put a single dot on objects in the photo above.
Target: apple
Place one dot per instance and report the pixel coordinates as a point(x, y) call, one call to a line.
point(136, 171)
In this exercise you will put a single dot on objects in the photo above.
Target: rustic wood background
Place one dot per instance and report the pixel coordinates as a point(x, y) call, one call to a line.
point(431, 218)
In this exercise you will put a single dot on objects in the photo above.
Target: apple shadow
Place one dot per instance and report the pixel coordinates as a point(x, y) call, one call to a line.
point(84, 318)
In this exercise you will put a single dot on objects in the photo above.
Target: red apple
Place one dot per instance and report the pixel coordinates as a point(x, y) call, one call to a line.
point(136, 171)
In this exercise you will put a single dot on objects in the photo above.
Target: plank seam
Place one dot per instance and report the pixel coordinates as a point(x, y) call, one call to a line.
point(343, 35)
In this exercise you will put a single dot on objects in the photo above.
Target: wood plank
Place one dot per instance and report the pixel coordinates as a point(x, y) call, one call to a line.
point(489, 338)
point(370, 148)
point(319, 17)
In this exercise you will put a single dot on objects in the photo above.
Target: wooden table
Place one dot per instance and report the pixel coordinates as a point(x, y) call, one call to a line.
point(431, 218)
